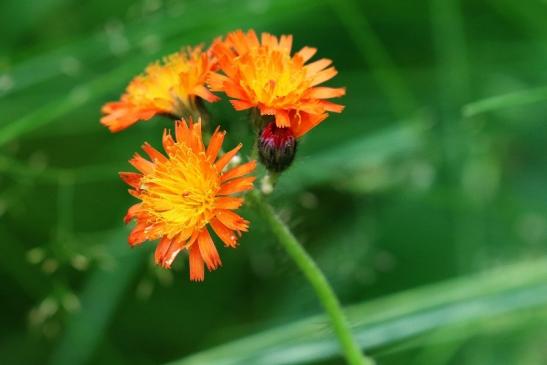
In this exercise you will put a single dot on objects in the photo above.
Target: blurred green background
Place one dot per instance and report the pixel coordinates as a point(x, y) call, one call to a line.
point(424, 201)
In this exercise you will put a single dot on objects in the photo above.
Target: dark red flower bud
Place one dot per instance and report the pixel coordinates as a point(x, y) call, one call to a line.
point(276, 147)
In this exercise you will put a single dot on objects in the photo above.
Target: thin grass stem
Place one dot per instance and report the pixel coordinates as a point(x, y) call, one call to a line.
point(317, 279)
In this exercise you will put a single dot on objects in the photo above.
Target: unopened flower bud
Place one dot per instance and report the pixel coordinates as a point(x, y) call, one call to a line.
point(276, 147)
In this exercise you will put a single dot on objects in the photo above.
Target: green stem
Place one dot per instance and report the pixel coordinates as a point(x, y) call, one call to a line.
point(322, 288)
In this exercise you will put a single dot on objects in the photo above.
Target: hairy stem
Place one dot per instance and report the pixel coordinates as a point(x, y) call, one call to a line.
point(313, 274)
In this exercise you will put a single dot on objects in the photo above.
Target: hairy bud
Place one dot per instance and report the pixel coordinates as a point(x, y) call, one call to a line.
point(276, 147)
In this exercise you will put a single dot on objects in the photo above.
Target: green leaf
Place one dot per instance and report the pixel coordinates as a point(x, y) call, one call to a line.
point(13, 167)
point(473, 299)
point(54, 110)
point(511, 100)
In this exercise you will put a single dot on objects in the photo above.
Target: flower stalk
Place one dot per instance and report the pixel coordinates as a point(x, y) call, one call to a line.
point(315, 276)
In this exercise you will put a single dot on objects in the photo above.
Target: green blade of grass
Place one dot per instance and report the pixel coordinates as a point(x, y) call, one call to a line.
point(511, 100)
point(53, 175)
point(54, 110)
point(455, 336)
point(530, 18)
point(473, 299)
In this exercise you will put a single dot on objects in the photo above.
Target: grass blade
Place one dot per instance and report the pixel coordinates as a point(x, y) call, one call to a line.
point(473, 299)
point(511, 100)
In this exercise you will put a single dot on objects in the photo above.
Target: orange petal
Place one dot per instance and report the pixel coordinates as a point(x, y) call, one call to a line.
point(205, 94)
point(313, 68)
point(285, 43)
point(232, 220)
point(182, 133)
point(118, 121)
point(161, 249)
point(325, 92)
point(243, 42)
point(306, 53)
point(118, 112)
point(121, 115)
point(216, 81)
point(238, 171)
point(264, 110)
point(224, 55)
point(223, 161)
point(237, 185)
point(135, 193)
point(141, 164)
point(112, 106)
point(308, 122)
point(268, 40)
point(153, 153)
point(197, 272)
point(324, 75)
point(132, 179)
point(234, 91)
point(137, 235)
point(331, 107)
point(252, 39)
point(282, 119)
point(215, 143)
point(171, 254)
point(228, 202)
point(224, 233)
point(195, 132)
point(131, 212)
point(177, 244)
point(311, 107)
point(167, 141)
point(208, 250)
point(241, 105)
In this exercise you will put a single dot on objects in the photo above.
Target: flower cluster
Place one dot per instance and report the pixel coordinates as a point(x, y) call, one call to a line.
point(189, 191)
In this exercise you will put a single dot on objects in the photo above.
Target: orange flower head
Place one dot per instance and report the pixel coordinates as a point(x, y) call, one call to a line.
point(171, 87)
point(262, 74)
point(183, 193)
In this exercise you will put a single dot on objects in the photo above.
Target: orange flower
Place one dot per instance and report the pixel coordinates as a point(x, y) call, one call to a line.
point(263, 74)
point(184, 192)
point(170, 88)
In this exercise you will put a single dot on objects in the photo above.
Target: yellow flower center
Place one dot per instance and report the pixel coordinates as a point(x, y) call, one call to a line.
point(180, 193)
point(273, 78)
point(169, 86)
